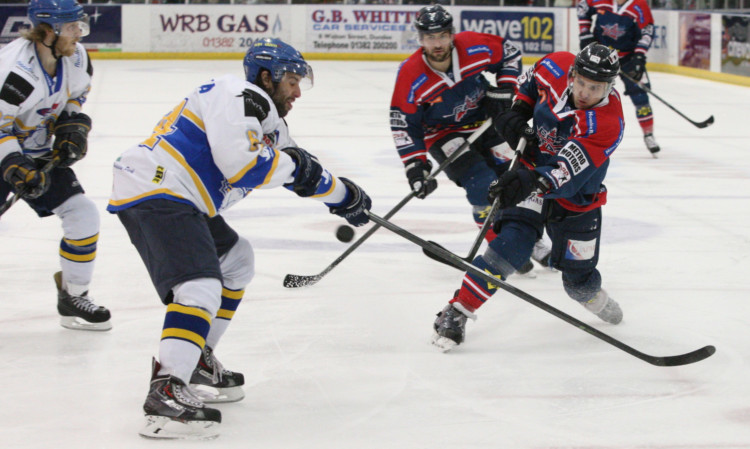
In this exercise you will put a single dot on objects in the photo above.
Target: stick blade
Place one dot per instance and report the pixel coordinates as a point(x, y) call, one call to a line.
point(296, 281)
point(685, 359)
point(705, 123)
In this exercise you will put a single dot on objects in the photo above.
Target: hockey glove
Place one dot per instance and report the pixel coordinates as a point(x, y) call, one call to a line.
point(71, 137)
point(512, 124)
point(354, 209)
point(20, 172)
point(417, 171)
point(308, 174)
point(584, 40)
point(635, 67)
point(513, 187)
point(499, 99)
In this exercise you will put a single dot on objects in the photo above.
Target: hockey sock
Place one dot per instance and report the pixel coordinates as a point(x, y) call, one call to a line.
point(474, 291)
point(230, 300)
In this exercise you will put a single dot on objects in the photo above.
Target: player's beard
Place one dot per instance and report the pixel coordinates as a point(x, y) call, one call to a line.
point(442, 57)
point(65, 46)
point(280, 101)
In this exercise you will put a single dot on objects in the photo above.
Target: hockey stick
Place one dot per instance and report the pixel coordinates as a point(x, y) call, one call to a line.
point(701, 125)
point(674, 360)
point(14, 199)
point(296, 280)
point(487, 221)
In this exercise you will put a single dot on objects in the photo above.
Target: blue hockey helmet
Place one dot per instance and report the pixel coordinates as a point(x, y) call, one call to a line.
point(278, 58)
point(433, 19)
point(56, 13)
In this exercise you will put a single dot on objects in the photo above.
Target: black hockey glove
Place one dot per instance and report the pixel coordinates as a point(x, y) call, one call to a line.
point(513, 124)
point(71, 137)
point(498, 99)
point(20, 172)
point(584, 40)
point(635, 67)
point(417, 171)
point(308, 174)
point(513, 187)
point(355, 210)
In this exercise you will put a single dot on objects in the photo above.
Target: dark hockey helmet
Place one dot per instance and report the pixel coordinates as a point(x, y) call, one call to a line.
point(278, 58)
point(598, 62)
point(56, 13)
point(433, 19)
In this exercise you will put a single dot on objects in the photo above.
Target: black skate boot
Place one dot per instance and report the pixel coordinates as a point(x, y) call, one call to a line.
point(604, 307)
point(79, 312)
point(174, 412)
point(450, 326)
point(527, 270)
point(214, 383)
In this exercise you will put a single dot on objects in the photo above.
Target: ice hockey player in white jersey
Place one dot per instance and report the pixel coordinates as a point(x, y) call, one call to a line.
point(45, 76)
point(225, 139)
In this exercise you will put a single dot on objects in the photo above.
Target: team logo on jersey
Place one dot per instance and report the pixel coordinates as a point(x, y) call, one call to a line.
point(470, 102)
point(45, 111)
point(575, 157)
point(580, 249)
point(613, 31)
point(560, 175)
point(549, 141)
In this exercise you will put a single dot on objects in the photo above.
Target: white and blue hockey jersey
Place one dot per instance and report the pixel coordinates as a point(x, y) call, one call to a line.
point(211, 150)
point(31, 100)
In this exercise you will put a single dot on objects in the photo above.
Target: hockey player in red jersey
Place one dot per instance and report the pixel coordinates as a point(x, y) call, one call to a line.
point(627, 26)
point(577, 124)
point(440, 98)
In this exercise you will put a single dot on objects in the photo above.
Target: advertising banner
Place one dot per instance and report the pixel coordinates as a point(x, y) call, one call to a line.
point(695, 40)
point(105, 22)
point(217, 28)
point(361, 29)
point(735, 45)
point(534, 31)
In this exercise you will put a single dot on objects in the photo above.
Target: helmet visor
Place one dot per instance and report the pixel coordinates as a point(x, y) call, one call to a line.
point(79, 28)
point(302, 69)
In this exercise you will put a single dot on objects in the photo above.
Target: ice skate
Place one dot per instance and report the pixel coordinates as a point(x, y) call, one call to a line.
point(215, 384)
point(79, 312)
point(541, 254)
point(651, 144)
point(527, 270)
point(173, 412)
point(604, 307)
point(450, 326)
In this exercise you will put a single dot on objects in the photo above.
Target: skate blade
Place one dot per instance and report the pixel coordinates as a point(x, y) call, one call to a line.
point(79, 324)
point(528, 275)
point(165, 428)
point(211, 395)
point(445, 344)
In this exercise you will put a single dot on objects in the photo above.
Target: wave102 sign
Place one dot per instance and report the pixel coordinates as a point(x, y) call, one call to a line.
point(534, 31)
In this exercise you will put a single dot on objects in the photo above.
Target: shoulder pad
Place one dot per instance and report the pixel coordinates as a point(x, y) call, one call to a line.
point(256, 104)
point(15, 89)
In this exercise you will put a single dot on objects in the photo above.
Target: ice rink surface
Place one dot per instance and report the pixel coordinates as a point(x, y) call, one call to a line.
point(347, 363)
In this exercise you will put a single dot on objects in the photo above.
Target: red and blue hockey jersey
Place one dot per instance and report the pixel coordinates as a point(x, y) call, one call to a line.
point(427, 104)
point(574, 144)
point(628, 27)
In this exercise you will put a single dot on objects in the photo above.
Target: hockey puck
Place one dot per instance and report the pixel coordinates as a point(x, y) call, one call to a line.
point(345, 233)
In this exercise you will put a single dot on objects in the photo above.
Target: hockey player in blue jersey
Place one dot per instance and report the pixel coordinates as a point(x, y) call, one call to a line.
point(45, 76)
point(577, 125)
point(440, 98)
point(627, 26)
point(225, 139)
